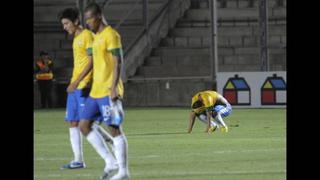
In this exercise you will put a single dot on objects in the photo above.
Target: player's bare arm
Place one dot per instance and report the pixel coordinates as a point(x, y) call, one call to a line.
point(117, 57)
point(208, 114)
point(191, 121)
point(221, 100)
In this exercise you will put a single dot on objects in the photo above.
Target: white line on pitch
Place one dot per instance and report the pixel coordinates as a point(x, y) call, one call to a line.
point(159, 174)
point(180, 155)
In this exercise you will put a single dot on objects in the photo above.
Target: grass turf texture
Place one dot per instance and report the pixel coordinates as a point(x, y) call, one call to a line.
point(159, 147)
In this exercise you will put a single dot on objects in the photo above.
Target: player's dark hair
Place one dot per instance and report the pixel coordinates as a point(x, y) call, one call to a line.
point(70, 13)
point(94, 8)
point(197, 104)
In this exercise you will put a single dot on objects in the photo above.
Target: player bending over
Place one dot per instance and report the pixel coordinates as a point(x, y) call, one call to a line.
point(207, 104)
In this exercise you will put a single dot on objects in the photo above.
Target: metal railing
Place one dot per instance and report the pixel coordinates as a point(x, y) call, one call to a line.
point(209, 77)
point(147, 24)
point(145, 19)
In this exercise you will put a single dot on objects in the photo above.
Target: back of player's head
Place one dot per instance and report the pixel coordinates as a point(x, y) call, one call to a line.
point(94, 8)
point(197, 104)
point(70, 13)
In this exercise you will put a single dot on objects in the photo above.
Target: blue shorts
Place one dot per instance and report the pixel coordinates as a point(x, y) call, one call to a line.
point(111, 112)
point(75, 104)
point(223, 110)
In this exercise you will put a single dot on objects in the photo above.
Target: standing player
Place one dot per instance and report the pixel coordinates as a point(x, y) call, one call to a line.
point(80, 83)
point(207, 104)
point(106, 94)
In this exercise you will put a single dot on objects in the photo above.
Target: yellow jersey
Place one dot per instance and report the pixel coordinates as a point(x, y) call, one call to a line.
point(103, 63)
point(82, 49)
point(209, 100)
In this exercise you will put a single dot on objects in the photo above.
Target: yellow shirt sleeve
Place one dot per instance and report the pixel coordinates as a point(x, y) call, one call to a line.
point(113, 41)
point(88, 40)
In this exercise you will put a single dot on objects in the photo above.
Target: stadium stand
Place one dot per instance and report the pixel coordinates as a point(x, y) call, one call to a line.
point(165, 65)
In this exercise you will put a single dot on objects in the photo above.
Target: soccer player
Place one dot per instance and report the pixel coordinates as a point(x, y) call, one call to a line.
point(106, 94)
point(207, 104)
point(80, 83)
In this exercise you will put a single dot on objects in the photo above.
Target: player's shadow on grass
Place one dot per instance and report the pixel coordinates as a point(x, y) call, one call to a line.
point(168, 133)
point(156, 134)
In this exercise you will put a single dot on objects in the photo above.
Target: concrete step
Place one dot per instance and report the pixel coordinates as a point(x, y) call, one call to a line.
point(40, 3)
point(173, 71)
point(51, 36)
point(136, 14)
point(273, 30)
point(243, 59)
point(184, 22)
point(204, 4)
point(278, 59)
point(177, 60)
point(240, 68)
point(48, 13)
point(236, 13)
point(170, 51)
point(226, 31)
point(223, 41)
point(186, 42)
point(251, 59)
point(155, 93)
point(52, 2)
point(250, 68)
point(167, 51)
point(50, 41)
point(153, 61)
point(278, 67)
point(129, 31)
point(245, 3)
point(115, 11)
point(47, 27)
point(125, 7)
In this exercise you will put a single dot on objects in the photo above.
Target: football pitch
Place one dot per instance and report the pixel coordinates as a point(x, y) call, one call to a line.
point(159, 147)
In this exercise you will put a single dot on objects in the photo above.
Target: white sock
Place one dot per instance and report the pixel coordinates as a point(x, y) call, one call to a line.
point(219, 119)
point(215, 123)
point(105, 135)
point(99, 145)
point(121, 152)
point(76, 143)
point(203, 119)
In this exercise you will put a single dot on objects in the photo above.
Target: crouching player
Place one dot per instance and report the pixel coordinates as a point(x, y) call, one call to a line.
point(207, 104)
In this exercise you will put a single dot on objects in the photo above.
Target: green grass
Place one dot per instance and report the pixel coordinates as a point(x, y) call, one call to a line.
point(159, 147)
